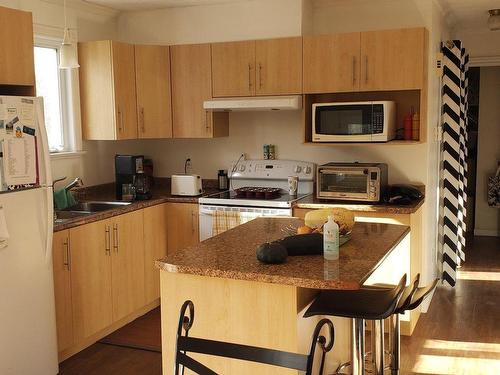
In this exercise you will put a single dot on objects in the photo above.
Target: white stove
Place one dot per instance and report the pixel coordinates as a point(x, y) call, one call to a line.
point(258, 188)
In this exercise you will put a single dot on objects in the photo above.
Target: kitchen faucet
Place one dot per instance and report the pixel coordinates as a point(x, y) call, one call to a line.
point(77, 182)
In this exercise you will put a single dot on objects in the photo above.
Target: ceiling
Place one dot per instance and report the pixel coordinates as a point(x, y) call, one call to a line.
point(469, 13)
point(155, 4)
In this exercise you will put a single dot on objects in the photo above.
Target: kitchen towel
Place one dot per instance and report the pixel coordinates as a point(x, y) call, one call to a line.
point(4, 233)
point(225, 220)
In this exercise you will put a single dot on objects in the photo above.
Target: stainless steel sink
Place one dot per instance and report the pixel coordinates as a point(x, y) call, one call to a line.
point(85, 208)
point(94, 206)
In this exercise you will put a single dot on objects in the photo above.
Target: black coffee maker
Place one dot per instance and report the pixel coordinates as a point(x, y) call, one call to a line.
point(129, 170)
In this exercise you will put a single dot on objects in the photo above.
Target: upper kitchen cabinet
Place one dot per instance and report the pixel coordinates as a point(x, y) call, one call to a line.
point(233, 69)
point(152, 77)
point(16, 59)
point(262, 67)
point(278, 66)
point(191, 85)
point(107, 90)
point(393, 59)
point(331, 63)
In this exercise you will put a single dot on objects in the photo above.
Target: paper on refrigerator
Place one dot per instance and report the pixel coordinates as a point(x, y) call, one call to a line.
point(19, 161)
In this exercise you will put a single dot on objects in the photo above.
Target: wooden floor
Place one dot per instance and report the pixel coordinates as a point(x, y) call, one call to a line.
point(460, 334)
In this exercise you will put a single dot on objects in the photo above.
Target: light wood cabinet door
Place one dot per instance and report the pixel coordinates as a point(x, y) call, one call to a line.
point(233, 69)
point(107, 90)
point(91, 278)
point(331, 63)
point(182, 225)
point(127, 263)
point(152, 77)
point(61, 260)
point(393, 59)
point(278, 66)
point(16, 59)
point(191, 85)
point(155, 247)
point(124, 90)
point(96, 91)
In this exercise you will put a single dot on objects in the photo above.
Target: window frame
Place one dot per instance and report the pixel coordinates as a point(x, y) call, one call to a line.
point(65, 96)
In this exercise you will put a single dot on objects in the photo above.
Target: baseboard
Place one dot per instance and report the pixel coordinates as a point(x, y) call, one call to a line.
point(86, 342)
point(487, 232)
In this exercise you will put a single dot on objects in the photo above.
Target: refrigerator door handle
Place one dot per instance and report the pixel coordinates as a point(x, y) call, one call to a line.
point(44, 143)
point(50, 226)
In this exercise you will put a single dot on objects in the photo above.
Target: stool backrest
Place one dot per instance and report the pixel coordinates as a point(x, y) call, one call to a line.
point(279, 358)
point(420, 295)
point(407, 295)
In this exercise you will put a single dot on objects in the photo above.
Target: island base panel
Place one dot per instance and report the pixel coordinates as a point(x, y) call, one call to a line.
point(246, 312)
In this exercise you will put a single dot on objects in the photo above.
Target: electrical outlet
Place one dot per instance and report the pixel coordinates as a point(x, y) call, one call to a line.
point(188, 166)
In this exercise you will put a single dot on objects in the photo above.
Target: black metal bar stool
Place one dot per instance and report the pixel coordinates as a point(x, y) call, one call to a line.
point(186, 344)
point(359, 305)
point(415, 300)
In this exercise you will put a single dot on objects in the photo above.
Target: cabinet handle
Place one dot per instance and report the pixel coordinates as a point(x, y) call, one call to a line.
point(120, 121)
point(192, 222)
point(249, 77)
point(108, 241)
point(354, 70)
point(207, 122)
point(260, 75)
point(366, 69)
point(143, 122)
point(66, 261)
point(115, 237)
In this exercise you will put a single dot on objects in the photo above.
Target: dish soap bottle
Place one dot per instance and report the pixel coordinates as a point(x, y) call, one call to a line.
point(331, 239)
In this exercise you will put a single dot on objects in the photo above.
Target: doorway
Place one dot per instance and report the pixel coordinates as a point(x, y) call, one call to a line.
point(483, 219)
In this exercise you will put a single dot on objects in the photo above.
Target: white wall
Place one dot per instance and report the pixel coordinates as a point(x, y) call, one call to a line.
point(487, 218)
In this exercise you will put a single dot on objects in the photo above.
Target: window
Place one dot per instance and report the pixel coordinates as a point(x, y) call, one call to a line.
point(51, 85)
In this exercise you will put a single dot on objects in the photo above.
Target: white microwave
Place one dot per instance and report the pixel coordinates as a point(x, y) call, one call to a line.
point(373, 121)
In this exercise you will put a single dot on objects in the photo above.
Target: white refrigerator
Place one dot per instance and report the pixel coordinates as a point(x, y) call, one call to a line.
point(28, 339)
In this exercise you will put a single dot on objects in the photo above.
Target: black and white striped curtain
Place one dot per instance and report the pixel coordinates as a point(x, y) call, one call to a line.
point(453, 158)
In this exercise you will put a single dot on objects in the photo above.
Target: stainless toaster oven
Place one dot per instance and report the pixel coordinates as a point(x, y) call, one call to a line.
point(365, 182)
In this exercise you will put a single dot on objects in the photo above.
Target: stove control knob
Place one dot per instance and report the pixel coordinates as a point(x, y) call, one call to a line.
point(297, 169)
point(242, 167)
point(308, 170)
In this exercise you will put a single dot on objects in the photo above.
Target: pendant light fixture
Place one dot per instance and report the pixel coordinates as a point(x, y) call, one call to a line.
point(67, 53)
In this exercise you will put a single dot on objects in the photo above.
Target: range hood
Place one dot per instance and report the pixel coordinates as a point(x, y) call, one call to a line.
point(255, 103)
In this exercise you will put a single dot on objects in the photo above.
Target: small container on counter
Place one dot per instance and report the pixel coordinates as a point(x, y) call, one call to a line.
point(266, 152)
point(415, 127)
point(408, 125)
point(272, 152)
point(223, 179)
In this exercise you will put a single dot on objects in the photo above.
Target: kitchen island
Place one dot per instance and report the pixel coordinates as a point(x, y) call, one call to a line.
point(241, 300)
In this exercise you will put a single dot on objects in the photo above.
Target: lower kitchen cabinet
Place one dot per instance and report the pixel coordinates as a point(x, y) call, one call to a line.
point(62, 289)
point(127, 263)
point(91, 289)
point(155, 247)
point(182, 225)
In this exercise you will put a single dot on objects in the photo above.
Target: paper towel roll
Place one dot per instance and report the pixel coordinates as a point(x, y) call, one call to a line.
point(4, 232)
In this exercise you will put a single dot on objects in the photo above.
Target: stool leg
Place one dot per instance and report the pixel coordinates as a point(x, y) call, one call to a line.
point(372, 346)
point(358, 347)
point(378, 352)
point(395, 343)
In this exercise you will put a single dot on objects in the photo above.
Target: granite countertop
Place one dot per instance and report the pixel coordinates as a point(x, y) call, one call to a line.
point(106, 192)
point(232, 255)
point(314, 203)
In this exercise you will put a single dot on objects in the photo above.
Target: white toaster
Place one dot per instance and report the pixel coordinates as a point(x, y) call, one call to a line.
point(186, 184)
